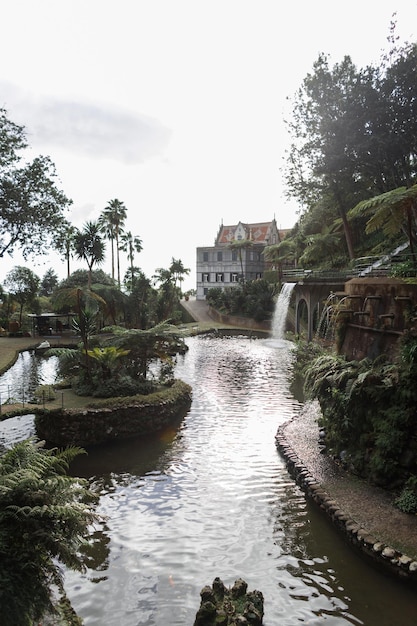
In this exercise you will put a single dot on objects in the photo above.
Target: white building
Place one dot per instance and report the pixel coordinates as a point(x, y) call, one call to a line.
point(223, 265)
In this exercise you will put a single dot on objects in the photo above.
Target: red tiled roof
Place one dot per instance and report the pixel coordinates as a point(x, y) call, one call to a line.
point(258, 233)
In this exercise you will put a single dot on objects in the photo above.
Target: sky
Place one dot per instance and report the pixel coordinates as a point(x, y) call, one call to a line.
point(175, 107)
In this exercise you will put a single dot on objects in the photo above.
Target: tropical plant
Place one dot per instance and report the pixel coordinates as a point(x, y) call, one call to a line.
point(154, 345)
point(392, 212)
point(111, 222)
point(255, 298)
point(107, 359)
point(45, 517)
point(368, 410)
point(141, 306)
point(353, 136)
point(87, 305)
point(239, 245)
point(64, 241)
point(178, 271)
point(89, 246)
point(130, 244)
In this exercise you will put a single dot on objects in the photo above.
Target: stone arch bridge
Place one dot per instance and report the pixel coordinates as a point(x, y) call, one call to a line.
point(309, 297)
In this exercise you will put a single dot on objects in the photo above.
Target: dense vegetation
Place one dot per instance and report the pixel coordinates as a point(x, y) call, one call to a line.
point(45, 516)
point(369, 413)
point(353, 137)
point(255, 299)
point(120, 362)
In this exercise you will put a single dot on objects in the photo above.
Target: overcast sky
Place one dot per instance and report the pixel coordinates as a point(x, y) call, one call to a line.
point(175, 107)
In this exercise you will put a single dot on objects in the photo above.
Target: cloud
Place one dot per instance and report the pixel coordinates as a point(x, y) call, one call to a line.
point(92, 130)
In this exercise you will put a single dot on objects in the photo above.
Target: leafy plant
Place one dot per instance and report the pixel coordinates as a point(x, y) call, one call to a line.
point(368, 410)
point(407, 500)
point(44, 518)
point(45, 393)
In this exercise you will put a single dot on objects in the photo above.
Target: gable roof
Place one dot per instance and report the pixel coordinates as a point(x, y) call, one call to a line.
point(258, 233)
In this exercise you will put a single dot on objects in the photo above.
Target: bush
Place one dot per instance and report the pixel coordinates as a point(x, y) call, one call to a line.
point(122, 386)
point(407, 501)
point(368, 411)
point(44, 393)
point(255, 299)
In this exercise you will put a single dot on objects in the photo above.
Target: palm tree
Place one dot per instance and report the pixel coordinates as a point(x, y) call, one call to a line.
point(88, 245)
point(239, 245)
point(111, 222)
point(178, 271)
point(64, 243)
point(130, 244)
point(392, 212)
point(87, 305)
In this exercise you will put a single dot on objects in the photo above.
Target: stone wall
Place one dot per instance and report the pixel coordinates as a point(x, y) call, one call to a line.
point(385, 556)
point(124, 418)
point(240, 322)
point(378, 311)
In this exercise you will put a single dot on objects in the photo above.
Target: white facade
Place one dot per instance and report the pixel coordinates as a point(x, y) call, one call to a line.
point(223, 266)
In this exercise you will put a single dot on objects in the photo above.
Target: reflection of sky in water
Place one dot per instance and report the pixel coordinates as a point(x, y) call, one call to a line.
point(16, 429)
point(29, 371)
point(215, 499)
point(212, 497)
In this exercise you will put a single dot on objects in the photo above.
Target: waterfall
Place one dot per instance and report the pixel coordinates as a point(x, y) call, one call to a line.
point(281, 310)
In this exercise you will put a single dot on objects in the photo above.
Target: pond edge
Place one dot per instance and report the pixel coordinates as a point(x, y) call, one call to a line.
point(386, 557)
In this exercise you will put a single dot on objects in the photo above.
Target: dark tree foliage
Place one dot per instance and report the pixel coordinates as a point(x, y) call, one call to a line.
point(32, 207)
point(22, 284)
point(45, 516)
point(79, 278)
point(89, 246)
point(354, 136)
point(49, 282)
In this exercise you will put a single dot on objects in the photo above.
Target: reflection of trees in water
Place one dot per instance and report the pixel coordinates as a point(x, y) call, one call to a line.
point(227, 368)
point(95, 554)
point(29, 372)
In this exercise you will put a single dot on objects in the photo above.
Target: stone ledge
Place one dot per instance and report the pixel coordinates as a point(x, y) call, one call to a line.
point(387, 557)
point(127, 417)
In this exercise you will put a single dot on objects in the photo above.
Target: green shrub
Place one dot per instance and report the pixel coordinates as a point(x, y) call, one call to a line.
point(44, 393)
point(407, 501)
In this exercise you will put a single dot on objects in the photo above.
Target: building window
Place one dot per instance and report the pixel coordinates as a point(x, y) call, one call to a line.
point(234, 278)
point(205, 257)
point(234, 255)
point(220, 256)
point(206, 278)
point(258, 275)
point(219, 277)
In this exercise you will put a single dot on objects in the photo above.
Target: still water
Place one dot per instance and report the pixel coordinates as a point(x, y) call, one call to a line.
point(29, 372)
point(212, 497)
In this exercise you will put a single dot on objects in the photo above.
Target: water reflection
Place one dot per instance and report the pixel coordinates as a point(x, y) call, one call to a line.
point(212, 497)
point(29, 372)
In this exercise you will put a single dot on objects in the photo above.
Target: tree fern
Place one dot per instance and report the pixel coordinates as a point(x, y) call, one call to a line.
point(45, 515)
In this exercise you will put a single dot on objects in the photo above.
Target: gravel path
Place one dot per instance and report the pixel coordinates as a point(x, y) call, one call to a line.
point(371, 507)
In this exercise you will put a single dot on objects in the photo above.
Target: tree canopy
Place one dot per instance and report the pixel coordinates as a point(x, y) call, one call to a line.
point(32, 207)
point(353, 136)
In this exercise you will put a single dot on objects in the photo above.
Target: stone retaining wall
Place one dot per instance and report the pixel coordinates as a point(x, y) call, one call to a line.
point(98, 424)
point(240, 322)
point(390, 559)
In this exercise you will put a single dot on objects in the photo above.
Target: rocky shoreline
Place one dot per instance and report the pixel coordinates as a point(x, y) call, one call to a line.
point(324, 482)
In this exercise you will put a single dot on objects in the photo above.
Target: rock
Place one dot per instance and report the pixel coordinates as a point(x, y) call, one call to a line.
point(221, 606)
